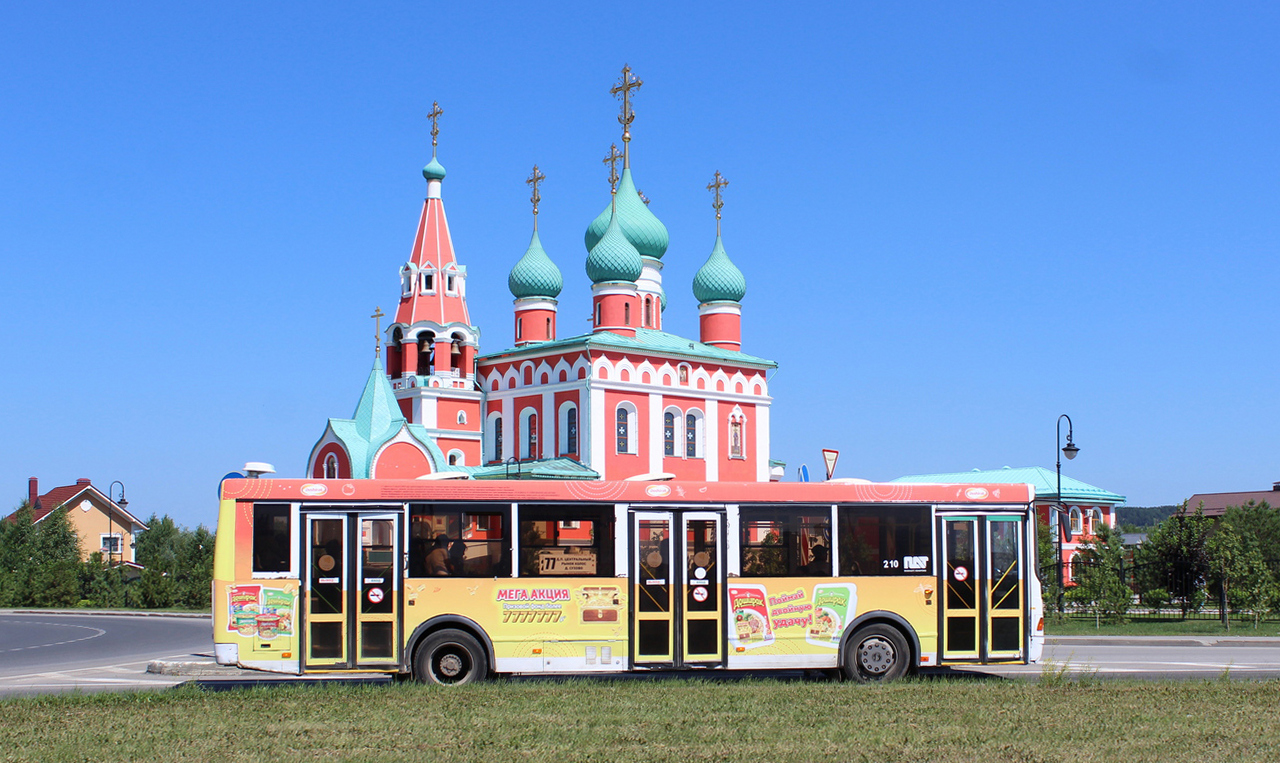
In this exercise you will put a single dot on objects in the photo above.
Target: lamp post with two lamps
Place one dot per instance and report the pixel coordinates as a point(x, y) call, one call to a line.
point(1069, 450)
point(123, 502)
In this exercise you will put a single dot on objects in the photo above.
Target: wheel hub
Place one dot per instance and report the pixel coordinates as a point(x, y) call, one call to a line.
point(875, 656)
point(450, 665)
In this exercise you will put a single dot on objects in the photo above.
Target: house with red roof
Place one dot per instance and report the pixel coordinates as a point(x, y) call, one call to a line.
point(101, 524)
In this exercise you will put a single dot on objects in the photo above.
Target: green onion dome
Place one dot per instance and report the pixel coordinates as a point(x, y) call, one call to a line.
point(434, 170)
point(645, 231)
point(613, 258)
point(719, 280)
point(535, 275)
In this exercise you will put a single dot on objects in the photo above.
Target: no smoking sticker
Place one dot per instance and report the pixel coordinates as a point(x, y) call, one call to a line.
point(375, 595)
point(961, 573)
point(700, 594)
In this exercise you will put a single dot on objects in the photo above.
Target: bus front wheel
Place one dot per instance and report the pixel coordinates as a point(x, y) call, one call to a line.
point(450, 657)
point(876, 654)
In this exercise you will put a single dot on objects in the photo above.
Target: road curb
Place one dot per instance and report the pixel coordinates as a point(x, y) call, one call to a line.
point(196, 668)
point(1241, 641)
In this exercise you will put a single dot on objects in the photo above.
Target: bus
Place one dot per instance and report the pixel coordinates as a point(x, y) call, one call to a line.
point(452, 581)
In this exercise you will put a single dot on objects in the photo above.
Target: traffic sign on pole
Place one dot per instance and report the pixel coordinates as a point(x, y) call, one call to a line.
point(830, 457)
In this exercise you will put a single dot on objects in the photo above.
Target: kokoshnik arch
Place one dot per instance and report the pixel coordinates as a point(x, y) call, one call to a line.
point(625, 399)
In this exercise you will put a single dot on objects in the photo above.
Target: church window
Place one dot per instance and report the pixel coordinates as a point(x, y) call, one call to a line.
point(626, 314)
point(406, 280)
point(451, 284)
point(648, 311)
point(331, 467)
point(1077, 521)
point(668, 434)
point(428, 282)
point(624, 428)
point(462, 417)
point(455, 458)
point(519, 328)
point(684, 374)
point(549, 336)
point(693, 435)
point(497, 439)
point(529, 432)
point(597, 313)
point(571, 430)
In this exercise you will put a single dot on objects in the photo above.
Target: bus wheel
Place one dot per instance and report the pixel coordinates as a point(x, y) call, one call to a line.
point(876, 654)
point(450, 658)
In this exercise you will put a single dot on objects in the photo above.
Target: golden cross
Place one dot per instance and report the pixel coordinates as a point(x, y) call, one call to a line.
point(625, 85)
point(643, 198)
point(612, 161)
point(434, 115)
point(533, 180)
point(714, 186)
point(377, 317)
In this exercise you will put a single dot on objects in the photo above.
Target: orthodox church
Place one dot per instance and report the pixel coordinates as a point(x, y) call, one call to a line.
point(623, 400)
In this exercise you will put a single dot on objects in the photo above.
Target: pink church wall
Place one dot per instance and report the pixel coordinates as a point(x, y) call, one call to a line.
point(401, 461)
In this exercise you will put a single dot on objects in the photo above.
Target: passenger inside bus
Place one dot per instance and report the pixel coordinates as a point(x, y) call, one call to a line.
point(438, 559)
point(819, 565)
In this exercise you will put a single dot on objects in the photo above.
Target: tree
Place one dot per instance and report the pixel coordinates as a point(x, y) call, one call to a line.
point(1236, 552)
point(1175, 558)
point(1048, 570)
point(1100, 585)
point(39, 562)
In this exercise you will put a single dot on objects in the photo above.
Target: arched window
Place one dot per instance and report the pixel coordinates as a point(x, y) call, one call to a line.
point(648, 311)
point(626, 314)
point(549, 336)
point(1075, 568)
point(568, 429)
point(519, 328)
point(494, 438)
point(1095, 520)
point(668, 434)
point(693, 434)
point(456, 458)
point(597, 313)
point(331, 467)
point(624, 426)
point(683, 374)
point(462, 417)
point(528, 433)
point(1077, 521)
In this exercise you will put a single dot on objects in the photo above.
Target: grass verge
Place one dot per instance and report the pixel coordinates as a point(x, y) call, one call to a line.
point(1081, 627)
point(659, 720)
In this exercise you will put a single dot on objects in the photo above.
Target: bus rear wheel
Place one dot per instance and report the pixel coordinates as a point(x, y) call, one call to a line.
point(877, 654)
point(450, 657)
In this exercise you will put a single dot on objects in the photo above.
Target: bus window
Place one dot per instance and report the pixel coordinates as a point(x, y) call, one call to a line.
point(780, 541)
point(271, 534)
point(885, 540)
point(458, 540)
point(574, 540)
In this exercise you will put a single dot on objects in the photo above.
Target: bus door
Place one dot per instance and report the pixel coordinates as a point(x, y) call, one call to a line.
point(983, 613)
point(351, 591)
point(677, 573)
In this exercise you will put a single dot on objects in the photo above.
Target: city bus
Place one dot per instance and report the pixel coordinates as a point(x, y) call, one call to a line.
point(453, 581)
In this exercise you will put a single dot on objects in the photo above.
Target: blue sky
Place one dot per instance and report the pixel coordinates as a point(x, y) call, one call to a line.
point(956, 221)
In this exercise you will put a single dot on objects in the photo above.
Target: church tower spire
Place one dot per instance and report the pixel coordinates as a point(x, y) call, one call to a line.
point(431, 343)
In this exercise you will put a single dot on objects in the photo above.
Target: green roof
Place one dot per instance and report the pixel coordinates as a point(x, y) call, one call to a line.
point(538, 469)
point(645, 340)
point(434, 170)
point(1044, 480)
point(613, 258)
point(640, 226)
point(719, 280)
point(535, 275)
point(376, 420)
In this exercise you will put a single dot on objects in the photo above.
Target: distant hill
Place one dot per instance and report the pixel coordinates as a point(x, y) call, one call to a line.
point(1143, 516)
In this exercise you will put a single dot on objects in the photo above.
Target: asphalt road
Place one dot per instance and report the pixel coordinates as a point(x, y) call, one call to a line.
point(42, 652)
point(45, 652)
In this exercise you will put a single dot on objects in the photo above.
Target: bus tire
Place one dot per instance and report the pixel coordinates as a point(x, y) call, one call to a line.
point(877, 653)
point(450, 657)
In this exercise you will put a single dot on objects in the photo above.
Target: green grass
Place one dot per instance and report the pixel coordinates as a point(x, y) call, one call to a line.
point(1083, 627)
point(663, 720)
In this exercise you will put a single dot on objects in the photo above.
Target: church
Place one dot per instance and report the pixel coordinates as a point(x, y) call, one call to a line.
point(626, 399)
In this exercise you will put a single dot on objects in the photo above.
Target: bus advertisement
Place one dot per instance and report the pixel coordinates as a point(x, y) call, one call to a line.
point(453, 581)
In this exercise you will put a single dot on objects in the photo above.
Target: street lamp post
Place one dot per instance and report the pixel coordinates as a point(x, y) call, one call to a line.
point(1069, 450)
point(110, 524)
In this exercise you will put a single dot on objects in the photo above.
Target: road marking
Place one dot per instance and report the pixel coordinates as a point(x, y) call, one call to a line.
point(97, 632)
